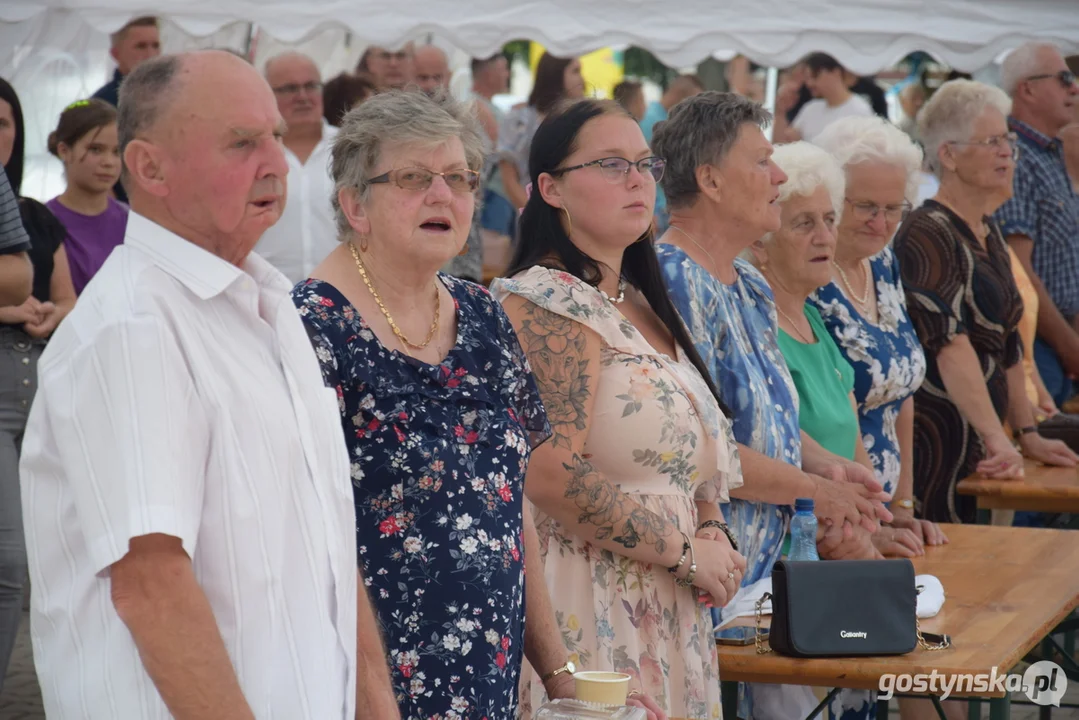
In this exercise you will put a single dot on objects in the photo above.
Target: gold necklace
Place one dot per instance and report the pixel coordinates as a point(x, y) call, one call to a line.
point(389, 318)
point(699, 247)
point(794, 325)
point(863, 301)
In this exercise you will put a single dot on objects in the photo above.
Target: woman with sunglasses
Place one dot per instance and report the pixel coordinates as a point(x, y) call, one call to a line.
point(965, 306)
point(629, 487)
point(440, 414)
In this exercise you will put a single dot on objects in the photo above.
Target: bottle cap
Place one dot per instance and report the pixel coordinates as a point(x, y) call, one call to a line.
point(801, 504)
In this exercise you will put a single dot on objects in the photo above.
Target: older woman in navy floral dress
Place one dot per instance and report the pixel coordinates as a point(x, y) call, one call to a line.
point(440, 412)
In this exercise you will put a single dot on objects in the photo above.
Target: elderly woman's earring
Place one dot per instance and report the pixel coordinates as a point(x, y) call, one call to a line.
point(363, 242)
point(569, 222)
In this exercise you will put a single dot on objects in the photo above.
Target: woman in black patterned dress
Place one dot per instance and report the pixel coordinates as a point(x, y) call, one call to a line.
point(965, 307)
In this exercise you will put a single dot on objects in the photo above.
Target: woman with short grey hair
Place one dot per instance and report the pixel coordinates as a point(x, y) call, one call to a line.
point(722, 190)
point(966, 307)
point(440, 412)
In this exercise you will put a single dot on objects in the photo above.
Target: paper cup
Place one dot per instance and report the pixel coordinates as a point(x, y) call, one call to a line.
point(605, 688)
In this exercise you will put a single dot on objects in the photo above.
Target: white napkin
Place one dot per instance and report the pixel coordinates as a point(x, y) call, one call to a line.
point(932, 596)
point(744, 603)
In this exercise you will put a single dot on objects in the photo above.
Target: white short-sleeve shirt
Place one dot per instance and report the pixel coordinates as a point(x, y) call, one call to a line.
point(817, 114)
point(182, 396)
point(307, 230)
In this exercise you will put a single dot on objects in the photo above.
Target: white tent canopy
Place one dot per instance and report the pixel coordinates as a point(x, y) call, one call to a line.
point(866, 35)
point(56, 51)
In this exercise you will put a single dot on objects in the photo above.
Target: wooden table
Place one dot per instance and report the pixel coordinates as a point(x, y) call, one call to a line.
point(1006, 589)
point(1042, 489)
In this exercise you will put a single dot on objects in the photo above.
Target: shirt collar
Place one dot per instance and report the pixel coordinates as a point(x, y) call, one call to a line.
point(202, 272)
point(1041, 140)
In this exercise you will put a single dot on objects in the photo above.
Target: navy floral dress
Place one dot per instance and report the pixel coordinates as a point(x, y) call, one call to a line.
point(438, 454)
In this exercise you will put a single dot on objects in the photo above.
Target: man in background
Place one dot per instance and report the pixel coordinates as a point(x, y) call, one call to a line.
point(307, 231)
point(829, 82)
point(132, 44)
point(1041, 220)
point(432, 69)
point(387, 70)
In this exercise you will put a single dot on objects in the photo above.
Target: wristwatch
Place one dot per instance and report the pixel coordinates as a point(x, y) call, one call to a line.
point(569, 668)
point(1025, 431)
point(905, 504)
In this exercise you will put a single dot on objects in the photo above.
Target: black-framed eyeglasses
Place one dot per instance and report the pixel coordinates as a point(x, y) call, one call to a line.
point(996, 142)
point(415, 178)
point(866, 211)
point(616, 169)
point(295, 88)
point(1066, 78)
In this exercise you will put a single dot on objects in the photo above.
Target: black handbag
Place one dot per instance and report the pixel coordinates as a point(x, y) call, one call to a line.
point(1063, 427)
point(845, 608)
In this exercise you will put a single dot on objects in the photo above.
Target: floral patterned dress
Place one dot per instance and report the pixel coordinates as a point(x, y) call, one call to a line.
point(656, 431)
point(888, 361)
point(735, 329)
point(439, 454)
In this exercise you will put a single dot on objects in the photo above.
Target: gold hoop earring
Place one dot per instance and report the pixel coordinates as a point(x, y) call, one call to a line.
point(569, 222)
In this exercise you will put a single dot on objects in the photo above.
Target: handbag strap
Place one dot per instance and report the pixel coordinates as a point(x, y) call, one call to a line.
point(761, 649)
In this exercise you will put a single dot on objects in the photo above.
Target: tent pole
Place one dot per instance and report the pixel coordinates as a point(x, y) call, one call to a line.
point(771, 86)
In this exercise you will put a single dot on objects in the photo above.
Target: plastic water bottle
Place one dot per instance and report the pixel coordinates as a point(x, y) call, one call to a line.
point(803, 531)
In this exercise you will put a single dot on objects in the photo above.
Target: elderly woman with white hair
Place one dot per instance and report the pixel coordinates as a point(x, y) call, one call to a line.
point(863, 304)
point(440, 412)
point(797, 260)
point(966, 308)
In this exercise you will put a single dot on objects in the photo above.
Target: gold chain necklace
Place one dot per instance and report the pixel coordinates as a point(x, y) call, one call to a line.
point(701, 248)
point(794, 325)
point(863, 301)
point(389, 318)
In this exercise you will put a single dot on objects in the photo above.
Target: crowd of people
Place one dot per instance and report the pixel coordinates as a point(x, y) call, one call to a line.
point(269, 448)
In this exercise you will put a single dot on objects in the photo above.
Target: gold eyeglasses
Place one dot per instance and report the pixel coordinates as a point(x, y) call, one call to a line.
point(414, 178)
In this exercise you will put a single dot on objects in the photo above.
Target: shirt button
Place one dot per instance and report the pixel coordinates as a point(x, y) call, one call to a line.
point(26, 382)
point(24, 403)
point(26, 361)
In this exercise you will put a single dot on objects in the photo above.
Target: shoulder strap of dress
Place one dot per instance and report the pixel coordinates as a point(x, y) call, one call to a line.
point(568, 296)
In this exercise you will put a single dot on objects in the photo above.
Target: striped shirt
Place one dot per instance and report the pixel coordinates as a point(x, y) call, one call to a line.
point(1045, 208)
point(182, 396)
point(13, 237)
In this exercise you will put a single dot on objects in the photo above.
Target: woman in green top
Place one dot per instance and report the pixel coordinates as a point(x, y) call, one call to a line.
point(796, 260)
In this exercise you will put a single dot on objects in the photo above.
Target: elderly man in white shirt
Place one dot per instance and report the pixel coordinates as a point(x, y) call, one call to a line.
point(185, 484)
point(306, 232)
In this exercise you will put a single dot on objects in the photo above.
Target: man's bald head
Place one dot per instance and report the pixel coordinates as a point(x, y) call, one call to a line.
point(297, 84)
point(201, 148)
point(432, 69)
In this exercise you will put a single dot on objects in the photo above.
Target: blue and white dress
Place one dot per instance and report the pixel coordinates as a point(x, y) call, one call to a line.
point(888, 361)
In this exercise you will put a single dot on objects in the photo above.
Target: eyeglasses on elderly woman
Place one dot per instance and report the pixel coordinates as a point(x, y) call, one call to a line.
point(616, 169)
point(996, 142)
point(415, 178)
point(866, 211)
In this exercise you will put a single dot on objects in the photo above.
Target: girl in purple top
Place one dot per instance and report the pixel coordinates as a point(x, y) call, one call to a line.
point(86, 142)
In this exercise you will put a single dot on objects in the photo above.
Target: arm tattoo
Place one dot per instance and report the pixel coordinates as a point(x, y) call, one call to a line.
point(555, 346)
point(612, 511)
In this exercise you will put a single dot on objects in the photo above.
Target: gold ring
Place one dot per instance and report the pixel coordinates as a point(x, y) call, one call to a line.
point(730, 576)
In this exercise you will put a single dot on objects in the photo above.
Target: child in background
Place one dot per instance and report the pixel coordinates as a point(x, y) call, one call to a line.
point(86, 142)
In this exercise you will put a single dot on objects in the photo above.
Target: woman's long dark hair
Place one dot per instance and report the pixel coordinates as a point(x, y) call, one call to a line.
point(550, 85)
point(14, 166)
point(543, 240)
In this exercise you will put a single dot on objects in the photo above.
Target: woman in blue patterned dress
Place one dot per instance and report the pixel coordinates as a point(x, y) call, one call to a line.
point(865, 309)
point(721, 187)
point(440, 411)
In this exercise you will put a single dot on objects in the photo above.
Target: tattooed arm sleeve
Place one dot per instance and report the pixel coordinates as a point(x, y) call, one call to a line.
point(561, 480)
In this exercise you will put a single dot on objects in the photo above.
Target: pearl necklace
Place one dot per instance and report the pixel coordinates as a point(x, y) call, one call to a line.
point(862, 301)
point(621, 293)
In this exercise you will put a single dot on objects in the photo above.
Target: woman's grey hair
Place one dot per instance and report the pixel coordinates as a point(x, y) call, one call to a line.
point(856, 140)
point(807, 168)
point(701, 130)
point(1021, 63)
point(396, 118)
point(950, 114)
